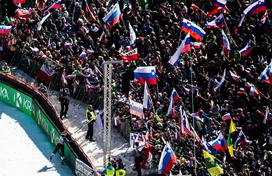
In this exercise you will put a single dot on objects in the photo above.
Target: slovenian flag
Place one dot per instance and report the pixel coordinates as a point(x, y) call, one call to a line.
point(218, 22)
point(254, 8)
point(185, 126)
point(219, 143)
point(195, 31)
point(145, 74)
point(171, 108)
point(183, 48)
point(246, 50)
point(227, 116)
point(226, 44)
point(5, 29)
point(167, 160)
point(147, 100)
point(219, 3)
point(113, 15)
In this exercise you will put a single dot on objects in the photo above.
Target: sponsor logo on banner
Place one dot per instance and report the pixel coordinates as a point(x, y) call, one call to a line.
point(42, 122)
point(22, 102)
point(4, 93)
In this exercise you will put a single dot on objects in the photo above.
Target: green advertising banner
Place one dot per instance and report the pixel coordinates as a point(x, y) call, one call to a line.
point(26, 104)
point(16, 98)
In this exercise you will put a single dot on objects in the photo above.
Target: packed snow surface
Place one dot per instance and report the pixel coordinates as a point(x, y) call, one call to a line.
point(25, 150)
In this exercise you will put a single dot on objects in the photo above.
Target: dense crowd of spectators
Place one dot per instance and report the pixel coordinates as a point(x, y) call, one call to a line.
point(157, 26)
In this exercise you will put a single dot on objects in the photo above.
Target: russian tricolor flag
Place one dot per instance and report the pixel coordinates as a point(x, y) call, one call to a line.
point(113, 16)
point(195, 31)
point(264, 77)
point(219, 3)
point(218, 22)
point(175, 95)
point(226, 116)
point(256, 7)
point(183, 48)
point(145, 74)
point(219, 143)
point(246, 50)
point(167, 160)
point(5, 29)
point(226, 44)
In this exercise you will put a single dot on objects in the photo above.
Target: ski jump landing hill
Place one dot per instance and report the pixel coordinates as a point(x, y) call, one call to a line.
point(29, 100)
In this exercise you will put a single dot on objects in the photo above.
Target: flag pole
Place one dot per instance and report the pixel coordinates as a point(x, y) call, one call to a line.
point(192, 90)
point(228, 30)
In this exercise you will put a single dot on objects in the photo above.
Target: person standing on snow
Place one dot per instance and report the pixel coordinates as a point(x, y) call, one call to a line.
point(91, 118)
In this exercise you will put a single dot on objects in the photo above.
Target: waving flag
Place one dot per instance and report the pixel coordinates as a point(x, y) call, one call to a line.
point(234, 76)
point(195, 31)
point(113, 16)
point(171, 108)
point(204, 145)
point(23, 13)
point(136, 109)
point(241, 140)
point(145, 74)
point(55, 5)
point(218, 22)
point(247, 49)
point(5, 29)
point(219, 143)
point(219, 84)
point(213, 168)
point(132, 35)
point(254, 8)
point(130, 56)
point(183, 48)
point(197, 45)
point(265, 75)
point(185, 126)
point(232, 128)
point(46, 73)
point(219, 3)
point(226, 44)
point(147, 100)
point(227, 116)
point(18, 1)
point(215, 11)
point(253, 91)
point(167, 160)
point(197, 117)
point(40, 23)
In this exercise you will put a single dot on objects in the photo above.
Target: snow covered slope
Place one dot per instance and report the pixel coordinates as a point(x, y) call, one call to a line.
point(24, 149)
